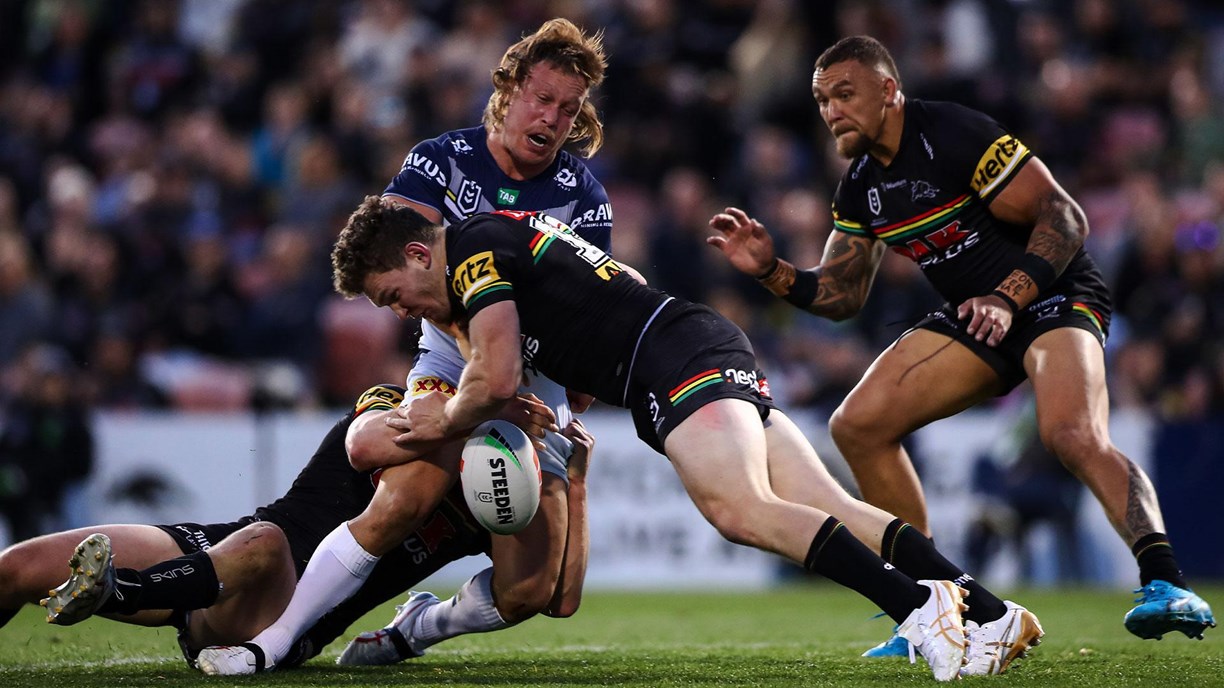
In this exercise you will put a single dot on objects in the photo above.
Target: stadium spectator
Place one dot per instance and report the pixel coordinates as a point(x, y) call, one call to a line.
point(46, 443)
point(1030, 305)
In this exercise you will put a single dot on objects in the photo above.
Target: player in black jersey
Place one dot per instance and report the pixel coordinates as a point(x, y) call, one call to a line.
point(1003, 243)
point(224, 582)
point(527, 292)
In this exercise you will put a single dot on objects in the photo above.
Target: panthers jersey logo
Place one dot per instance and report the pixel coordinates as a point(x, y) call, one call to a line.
point(378, 398)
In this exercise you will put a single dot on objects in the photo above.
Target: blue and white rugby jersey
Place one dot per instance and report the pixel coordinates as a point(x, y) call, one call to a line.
point(456, 175)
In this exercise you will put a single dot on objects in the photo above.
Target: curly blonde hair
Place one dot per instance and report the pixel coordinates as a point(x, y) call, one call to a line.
point(562, 44)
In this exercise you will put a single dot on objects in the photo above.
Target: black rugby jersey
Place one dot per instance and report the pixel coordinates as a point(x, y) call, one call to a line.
point(580, 315)
point(931, 203)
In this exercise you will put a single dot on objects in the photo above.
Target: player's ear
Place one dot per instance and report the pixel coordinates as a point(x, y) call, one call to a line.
point(891, 91)
point(415, 251)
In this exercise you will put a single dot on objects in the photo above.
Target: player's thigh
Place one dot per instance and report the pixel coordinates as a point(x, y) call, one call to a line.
point(533, 555)
point(256, 566)
point(405, 496)
point(720, 455)
point(922, 377)
point(28, 569)
point(1067, 369)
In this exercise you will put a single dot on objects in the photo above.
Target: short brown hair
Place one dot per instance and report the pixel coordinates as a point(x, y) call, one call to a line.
point(562, 44)
point(864, 50)
point(373, 240)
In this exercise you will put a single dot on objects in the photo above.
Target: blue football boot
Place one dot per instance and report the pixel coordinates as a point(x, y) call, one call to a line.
point(895, 646)
point(1164, 607)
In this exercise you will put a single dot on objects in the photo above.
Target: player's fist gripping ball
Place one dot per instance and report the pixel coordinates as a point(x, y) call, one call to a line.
point(501, 476)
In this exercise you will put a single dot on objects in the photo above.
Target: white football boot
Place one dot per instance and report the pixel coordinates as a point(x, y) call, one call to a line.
point(994, 645)
point(937, 629)
point(392, 643)
point(233, 660)
point(91, 583)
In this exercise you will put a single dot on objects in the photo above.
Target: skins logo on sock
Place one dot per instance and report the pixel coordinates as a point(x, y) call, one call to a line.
point(183, 570)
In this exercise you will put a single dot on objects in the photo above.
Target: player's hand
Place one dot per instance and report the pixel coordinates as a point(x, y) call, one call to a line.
point(422, 420)
point(584, 445)
point(531, 415)
point(990, 318)
point(744, 241)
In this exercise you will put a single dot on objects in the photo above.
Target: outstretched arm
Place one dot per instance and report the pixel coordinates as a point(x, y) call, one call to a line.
point(568, 593)
point(836, 289)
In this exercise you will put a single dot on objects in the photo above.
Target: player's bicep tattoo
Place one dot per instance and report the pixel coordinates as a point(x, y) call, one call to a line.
point(1059, 231)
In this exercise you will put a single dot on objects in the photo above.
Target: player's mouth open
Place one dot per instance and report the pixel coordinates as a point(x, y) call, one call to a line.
point(538, 139)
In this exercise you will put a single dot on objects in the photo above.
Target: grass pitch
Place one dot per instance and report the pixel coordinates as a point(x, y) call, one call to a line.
point(805, 635)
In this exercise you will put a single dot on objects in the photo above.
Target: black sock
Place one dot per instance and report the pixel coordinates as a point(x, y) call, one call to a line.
point(838, 556)
point(1156, 560)
point(6, 615)
point(187, 582)
point(915, 555)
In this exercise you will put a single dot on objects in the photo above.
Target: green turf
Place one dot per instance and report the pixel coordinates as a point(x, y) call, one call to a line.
point(795, 636)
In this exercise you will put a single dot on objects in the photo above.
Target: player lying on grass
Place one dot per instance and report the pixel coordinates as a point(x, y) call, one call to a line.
point(223, 583)
point(531, 294)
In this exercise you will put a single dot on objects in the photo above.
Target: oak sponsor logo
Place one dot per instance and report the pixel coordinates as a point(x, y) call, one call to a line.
point(997, 163)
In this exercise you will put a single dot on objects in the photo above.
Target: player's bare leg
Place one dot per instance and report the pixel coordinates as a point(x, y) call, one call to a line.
point(1067, 367)
point(921, 378)
point(520, 584)
point(721, 455)
point(29, 569)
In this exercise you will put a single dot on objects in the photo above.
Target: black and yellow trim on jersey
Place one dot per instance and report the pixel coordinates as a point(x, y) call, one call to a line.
point(899, 232)
point(1000, 161)
point(477, 277)
point(378, 398)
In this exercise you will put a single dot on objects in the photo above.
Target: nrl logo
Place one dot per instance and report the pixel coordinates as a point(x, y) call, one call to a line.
point(468, 197)
point(873, 200)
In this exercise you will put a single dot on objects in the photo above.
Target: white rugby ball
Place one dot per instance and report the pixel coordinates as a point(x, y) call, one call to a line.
point(500, 474)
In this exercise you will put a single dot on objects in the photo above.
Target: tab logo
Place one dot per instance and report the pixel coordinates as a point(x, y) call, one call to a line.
point(507, 196)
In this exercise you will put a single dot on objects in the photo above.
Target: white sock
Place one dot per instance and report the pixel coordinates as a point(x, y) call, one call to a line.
point(471, 610)
point(335, 571)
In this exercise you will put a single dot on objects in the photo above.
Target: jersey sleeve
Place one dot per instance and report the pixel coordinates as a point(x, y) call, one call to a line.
point(592, 218)
point(847, 214)
point(422, 177)
point(984, 153)
point(382, 397)
point(483, 254)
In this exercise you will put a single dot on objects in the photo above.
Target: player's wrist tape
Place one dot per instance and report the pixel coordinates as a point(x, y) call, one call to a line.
point(803, 290)
point(1039, 269)
point(773, 267)
point(1011, 303)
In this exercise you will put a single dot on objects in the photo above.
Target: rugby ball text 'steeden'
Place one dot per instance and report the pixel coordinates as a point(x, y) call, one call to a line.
point(501, 476)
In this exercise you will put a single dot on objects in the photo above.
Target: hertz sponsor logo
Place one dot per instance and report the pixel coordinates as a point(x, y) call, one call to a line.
point(997, 164)
point(474, 274)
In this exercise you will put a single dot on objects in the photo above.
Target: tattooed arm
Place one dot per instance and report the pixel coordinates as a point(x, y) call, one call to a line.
point(836, 289)
point(1033, 199)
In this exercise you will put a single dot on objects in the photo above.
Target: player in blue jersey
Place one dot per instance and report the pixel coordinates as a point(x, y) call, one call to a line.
point(540, 102)
point(1003, 243)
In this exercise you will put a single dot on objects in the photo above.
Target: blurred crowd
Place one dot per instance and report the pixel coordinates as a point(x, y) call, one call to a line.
point(173, 172)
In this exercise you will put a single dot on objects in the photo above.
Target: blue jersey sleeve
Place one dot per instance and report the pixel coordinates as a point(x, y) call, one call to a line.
point(422, 178)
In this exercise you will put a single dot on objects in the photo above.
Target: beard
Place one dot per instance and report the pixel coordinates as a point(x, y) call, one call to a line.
point(852, 145)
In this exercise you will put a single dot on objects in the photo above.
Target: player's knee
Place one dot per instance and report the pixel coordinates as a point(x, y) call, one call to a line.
point(265, 546)
point(732, 519)
point(18, 581)
point(1073, 443)
point(852, 425)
